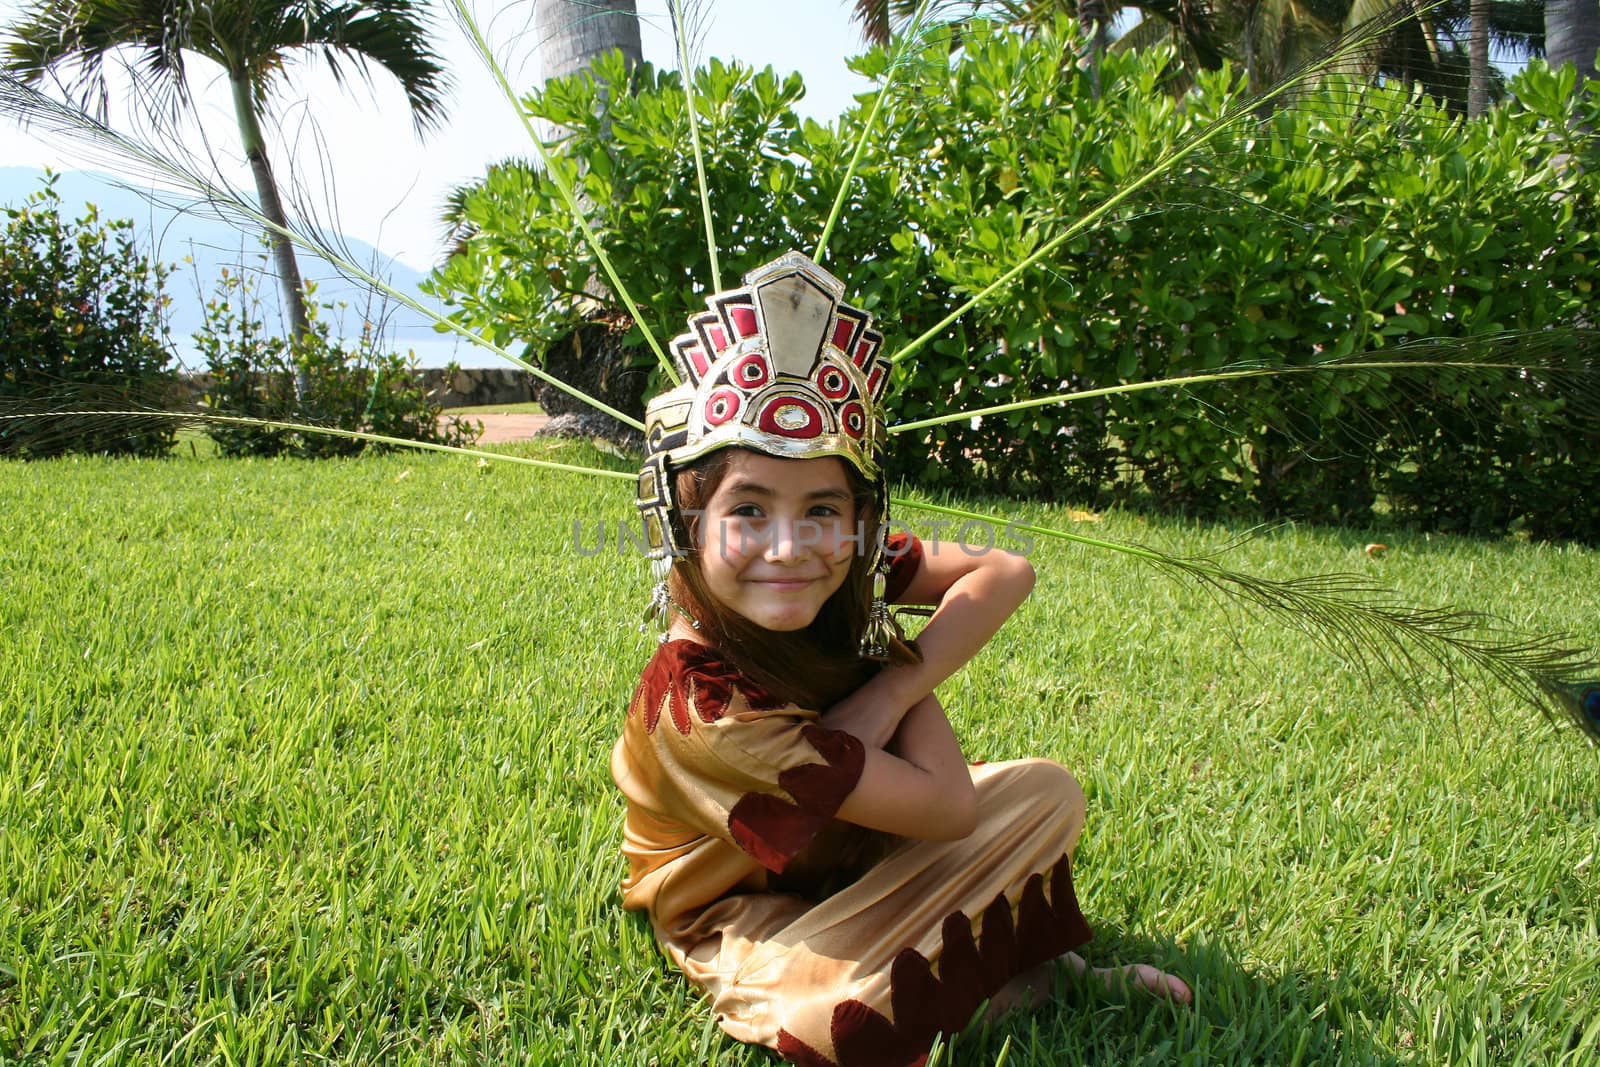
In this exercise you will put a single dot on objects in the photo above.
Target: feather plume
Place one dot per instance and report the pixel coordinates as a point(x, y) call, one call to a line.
point(1369, 626)
point(1363, 622)
point(44, 429)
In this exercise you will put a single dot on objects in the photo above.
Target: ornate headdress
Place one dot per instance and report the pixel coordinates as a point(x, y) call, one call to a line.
point(780, 365)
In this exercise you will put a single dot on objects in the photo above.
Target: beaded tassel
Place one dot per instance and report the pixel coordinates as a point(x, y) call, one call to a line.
point(657, 611)
point(879, 630)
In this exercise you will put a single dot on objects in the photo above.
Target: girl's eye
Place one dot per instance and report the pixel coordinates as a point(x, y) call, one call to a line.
point(746, 511)
point(824, 511)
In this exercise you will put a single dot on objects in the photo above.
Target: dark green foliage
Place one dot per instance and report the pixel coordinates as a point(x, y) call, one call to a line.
point(362, 389)
point(1362, 223)
point(81, 328)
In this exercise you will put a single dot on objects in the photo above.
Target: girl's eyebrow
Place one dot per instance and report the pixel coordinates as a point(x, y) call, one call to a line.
point(749, 488)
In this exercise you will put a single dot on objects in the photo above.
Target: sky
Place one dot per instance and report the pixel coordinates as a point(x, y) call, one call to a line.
point(387, 187)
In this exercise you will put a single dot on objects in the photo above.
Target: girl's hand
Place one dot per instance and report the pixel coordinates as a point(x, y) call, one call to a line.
point(975, 595)
point(872, 713)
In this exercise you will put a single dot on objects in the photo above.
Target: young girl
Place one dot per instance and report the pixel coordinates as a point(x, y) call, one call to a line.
point(812, 849)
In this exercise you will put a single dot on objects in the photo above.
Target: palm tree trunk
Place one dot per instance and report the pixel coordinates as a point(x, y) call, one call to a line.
point(283, 258)
point(1093, 14)
point(1252, 63)
point(1572, 34)
point(572, 32)
point(1478, 59)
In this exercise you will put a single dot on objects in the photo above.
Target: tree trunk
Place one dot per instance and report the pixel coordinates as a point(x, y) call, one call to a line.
point(1572, 34)
point(1247, 40)
point(1093, 15)
point(572, 32)
point(283, 258)
point(1478, 59)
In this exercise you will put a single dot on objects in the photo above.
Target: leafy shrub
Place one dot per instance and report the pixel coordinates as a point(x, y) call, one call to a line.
point(1363, 219)
point(253, 376)
point(81, 328)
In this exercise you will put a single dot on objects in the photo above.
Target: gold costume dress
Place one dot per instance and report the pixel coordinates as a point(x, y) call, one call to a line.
point(832, 944)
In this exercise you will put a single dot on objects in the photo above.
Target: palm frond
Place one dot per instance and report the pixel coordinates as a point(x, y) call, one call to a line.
point(150, 164)
point(873, 16)
point(76, 45)
point(390, 34)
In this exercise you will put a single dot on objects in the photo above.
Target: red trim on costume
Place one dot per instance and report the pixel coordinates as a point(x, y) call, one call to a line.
point(832, 382)
point(905, 559)
point(682, 673)
point(970, 971)
point(751, 372)
point(774, 831)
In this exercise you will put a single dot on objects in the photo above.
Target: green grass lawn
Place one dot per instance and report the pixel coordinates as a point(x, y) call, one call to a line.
point(308, 762)
point(527, 408)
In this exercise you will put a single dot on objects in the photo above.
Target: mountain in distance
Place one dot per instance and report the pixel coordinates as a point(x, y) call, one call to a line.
point(199, 244)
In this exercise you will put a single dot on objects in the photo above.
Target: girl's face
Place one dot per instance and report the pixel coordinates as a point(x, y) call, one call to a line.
point(777, 537)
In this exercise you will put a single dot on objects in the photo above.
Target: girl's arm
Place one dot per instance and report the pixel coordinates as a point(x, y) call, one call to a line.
point(922, 788)
point(975, 594)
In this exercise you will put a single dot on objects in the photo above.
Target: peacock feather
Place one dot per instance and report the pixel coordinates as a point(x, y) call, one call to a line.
point(1363, 622)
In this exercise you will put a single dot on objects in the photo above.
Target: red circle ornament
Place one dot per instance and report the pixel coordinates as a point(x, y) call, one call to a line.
point(833, 383)
point(854, 420)
point(721, 406)
point(791, 416)
point(751, 372)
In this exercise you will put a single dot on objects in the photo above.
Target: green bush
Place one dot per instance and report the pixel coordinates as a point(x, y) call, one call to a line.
point(253, 375)
point(81, 328)
point(1362, 219)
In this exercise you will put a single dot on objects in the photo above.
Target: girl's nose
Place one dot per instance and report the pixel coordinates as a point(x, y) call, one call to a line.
point(792, 539)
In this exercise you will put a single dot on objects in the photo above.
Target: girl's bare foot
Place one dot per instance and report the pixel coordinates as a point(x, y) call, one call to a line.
point(1139, 976)
point(1032, 988)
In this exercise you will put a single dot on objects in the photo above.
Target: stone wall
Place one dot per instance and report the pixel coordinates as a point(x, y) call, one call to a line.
point(474, 386)
point(468, 387)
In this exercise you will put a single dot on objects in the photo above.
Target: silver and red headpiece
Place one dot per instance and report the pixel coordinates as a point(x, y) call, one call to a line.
point(780, 365)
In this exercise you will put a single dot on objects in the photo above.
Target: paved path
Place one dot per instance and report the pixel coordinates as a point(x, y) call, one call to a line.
point(498, 429)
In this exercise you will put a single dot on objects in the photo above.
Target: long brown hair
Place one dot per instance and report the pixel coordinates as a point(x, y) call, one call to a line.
point(814, 667)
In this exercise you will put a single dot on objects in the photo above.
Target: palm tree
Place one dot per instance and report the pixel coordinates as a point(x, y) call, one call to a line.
point(1478, 84)
point(572, 32)
point(1433, 44)
point(1190, 21)
point(250, 40)
point(1572, 34)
